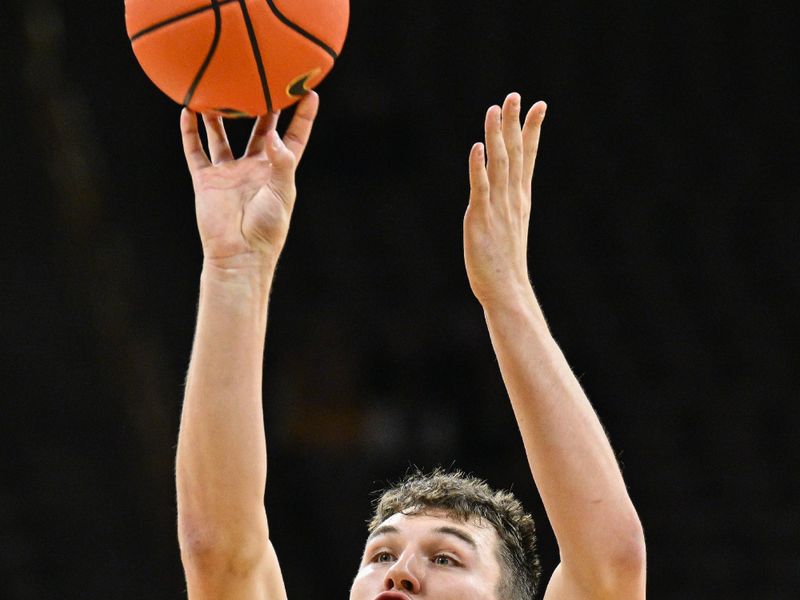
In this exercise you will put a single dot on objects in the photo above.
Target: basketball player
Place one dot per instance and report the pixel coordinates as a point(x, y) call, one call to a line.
point(441, 536)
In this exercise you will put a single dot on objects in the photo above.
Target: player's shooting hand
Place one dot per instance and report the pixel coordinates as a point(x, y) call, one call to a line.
point(496, 221)
point(244, 205)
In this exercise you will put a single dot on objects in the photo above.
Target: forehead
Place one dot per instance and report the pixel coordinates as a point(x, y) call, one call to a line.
point(439, 522)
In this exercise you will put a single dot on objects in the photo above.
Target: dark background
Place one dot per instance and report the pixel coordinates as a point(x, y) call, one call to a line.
point(662, 249)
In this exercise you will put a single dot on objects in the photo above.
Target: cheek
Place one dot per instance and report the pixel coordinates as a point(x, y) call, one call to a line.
point(457, 585)
point(366, 583)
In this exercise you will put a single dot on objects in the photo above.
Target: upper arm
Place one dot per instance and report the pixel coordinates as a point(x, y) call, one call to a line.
point(251, 574)
point(565, 586)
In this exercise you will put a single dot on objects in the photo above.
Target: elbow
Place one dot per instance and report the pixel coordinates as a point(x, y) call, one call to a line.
point(624, 565)
point(630, 559)
point(209, 551)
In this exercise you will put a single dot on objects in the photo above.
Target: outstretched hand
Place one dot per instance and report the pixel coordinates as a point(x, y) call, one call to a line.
point(497, 218)
point(244, 205)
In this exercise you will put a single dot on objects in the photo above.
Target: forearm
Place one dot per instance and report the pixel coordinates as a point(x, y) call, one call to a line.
point(221, 459)
point(570, 457)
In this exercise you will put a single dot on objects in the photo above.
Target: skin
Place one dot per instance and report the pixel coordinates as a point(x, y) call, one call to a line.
point(416, 556)
point(599, 535)
point(243, 209)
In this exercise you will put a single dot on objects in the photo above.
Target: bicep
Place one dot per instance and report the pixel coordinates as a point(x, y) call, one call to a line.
point(257, 579)
point(561, 587)
point(564, 586)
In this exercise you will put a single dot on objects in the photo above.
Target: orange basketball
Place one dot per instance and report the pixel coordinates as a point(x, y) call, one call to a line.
point(236, 57)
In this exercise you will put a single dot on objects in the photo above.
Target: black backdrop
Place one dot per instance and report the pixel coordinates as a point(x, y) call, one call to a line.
point(662, 249)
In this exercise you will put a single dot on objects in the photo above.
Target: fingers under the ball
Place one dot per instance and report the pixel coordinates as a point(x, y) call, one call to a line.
point(283, 166)
point(497, 168)
point(299, 130)
point(218, 145)
point(530, 137)
point(512, 135)
point(478, 179)
point(258, 137)
point(196, 157)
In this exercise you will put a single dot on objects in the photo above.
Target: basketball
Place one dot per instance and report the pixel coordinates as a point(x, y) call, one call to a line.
point(236, 57)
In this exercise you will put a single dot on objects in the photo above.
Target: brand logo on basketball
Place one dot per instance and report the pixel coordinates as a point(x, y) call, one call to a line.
point(299, 85)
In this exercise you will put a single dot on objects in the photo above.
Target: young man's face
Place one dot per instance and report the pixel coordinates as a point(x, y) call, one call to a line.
point(429, 556)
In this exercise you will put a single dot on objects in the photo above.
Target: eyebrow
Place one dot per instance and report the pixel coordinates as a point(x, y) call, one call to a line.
point(383, 530)
point(446, 530)
point(459, 533)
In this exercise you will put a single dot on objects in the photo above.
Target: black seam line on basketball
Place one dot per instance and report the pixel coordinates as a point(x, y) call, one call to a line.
point(262, 73)
point(300, 30)
point(217, 33)
point(171, 20)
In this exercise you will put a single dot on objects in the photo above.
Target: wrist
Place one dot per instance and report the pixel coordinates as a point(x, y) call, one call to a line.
point(245, 273)
point(249, 264)
point(519, 302)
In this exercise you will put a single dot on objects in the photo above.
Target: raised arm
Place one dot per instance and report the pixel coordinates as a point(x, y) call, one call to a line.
point(243, 208)
point(598, 531)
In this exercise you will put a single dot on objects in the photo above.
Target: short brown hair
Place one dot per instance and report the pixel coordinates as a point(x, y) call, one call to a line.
point(465, 497)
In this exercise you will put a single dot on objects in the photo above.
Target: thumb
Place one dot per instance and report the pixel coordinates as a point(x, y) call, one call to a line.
point(282, 160)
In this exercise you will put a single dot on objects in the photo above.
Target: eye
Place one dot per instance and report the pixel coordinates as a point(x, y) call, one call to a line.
point(381, 557)
point(443, 560)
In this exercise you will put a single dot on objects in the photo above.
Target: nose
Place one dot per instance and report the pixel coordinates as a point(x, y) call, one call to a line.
point(402, 576)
